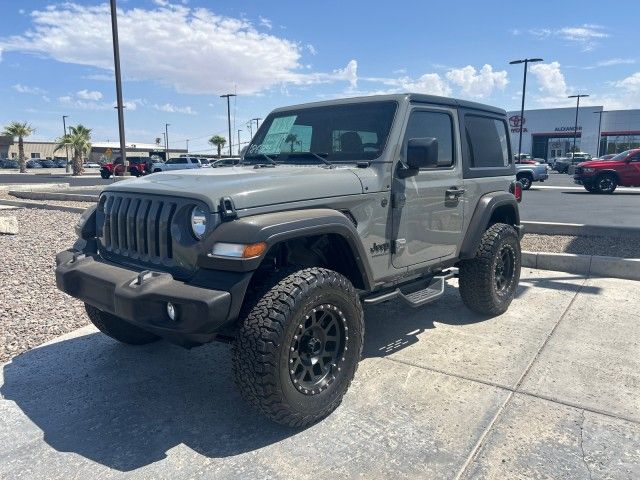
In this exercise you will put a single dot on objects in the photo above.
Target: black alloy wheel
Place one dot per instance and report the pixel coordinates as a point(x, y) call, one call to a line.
point(504, 269)
point(316, 351)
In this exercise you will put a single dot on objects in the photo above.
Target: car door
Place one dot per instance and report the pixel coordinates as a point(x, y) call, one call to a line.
point(427, 208)
point(630, 171)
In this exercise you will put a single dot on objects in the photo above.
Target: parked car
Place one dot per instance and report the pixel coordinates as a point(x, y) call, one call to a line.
point(138, 166)
point(9, 163)
point(582, 156)
point(46, 163)
point(278, 262)
point(608, 156)
point(564, 164)
point(604, 176)
point(178, 163)
point(33, 163)
point(226, 162)
point(60, 162)
point(205, 162)
point(527, 173)
point(92, 165)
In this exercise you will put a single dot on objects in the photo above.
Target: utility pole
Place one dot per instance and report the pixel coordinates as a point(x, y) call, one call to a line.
point(166, 157)
point(166, 138)
point(64, 132)
point(227, 96)
point(257, 124)
point(118, 75)
point(575, 126)
point(239, 142)
point(526, 62)
point(187, 145)
point(250, 126)
point(599, 129)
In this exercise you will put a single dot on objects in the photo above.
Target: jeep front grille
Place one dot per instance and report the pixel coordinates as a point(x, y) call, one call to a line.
point(136, 227)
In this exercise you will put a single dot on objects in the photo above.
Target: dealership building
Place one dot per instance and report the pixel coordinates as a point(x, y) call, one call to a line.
point(549, 133)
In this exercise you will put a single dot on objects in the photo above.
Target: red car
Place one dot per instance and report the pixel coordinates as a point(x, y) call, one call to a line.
point(137, 167)
point(603, 176)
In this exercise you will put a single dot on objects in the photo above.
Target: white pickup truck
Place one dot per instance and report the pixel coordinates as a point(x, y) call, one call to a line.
point(178, 163)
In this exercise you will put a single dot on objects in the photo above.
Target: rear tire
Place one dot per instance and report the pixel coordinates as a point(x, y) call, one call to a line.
point(526, 181)
point(606, 184)
point(117, 328)
point(489, 281)
point(298, 347)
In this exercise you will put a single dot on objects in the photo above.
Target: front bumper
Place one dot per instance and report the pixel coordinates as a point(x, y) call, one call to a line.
point(141, 298)
point(583, 180)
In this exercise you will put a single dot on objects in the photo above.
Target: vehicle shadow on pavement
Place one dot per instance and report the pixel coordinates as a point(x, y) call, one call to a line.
point(125, 407)
point(616, 193)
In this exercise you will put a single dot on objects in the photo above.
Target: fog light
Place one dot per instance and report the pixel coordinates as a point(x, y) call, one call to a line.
point(171, 311)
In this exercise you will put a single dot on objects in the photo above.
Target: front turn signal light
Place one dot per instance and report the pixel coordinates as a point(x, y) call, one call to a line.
point(239, 250)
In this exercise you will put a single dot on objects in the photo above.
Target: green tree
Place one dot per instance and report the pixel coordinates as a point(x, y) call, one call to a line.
point(218, 141)
point(79, 139)
point(292, 139)
point(20, 130)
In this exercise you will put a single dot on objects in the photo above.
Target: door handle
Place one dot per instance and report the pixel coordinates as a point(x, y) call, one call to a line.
point(454, 192)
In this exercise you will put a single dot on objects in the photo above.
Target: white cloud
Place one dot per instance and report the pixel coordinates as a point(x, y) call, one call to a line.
point(476, 83)
point(311, 49)
point(168, 107)
point(101, 77)
point(193, 50)
point(611, 62)
point(631, 83)
point(265, 22)
point(429, 83)
point(89, 95)
point(551, 81)
point(18, 87)
point(586, 35)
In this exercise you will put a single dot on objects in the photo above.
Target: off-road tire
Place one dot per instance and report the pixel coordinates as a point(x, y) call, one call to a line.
point(478, 276)
point(117, 328)
point(606, 183)
point(105, 175)
point(526, 181)
point(270, 331)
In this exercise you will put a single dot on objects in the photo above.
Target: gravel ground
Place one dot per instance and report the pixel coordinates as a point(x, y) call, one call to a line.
point(606, 246)
point(32, 309)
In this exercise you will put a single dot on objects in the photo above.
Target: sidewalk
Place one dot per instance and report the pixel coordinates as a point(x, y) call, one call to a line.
point(549, 389)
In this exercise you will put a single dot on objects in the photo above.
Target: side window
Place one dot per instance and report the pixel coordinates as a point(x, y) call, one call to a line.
point(438, 125)
point(487, 138)
point(635, 158)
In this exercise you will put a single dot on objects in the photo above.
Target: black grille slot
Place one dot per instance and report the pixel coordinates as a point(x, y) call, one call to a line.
point(137, 227)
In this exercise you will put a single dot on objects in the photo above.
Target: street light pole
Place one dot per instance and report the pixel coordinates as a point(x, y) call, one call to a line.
point(250, 125)
point(187, 145)
point(239, 142)
point(257, 124)
point(118, 75)
point(66, 148)
point(164, 135)
point(227, 96)
point(575, 125)
point(526, 62)
point(166, 139)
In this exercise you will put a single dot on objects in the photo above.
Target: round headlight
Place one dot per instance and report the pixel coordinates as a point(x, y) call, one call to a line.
point(198, 222)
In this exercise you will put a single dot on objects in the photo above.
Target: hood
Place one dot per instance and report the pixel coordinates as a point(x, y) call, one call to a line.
point(248, 186)
point(598, 163)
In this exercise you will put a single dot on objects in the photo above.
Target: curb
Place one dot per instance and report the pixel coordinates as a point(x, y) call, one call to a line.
point(43, 206)
point(579, 230)
point(44, 195)
point(594, 265)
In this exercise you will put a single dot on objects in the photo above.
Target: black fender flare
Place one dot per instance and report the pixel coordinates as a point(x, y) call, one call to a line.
point(481, 217)
point(608, 172)
point(273, 228)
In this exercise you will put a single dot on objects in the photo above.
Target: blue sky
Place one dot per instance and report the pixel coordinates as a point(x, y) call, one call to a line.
point(178, 56)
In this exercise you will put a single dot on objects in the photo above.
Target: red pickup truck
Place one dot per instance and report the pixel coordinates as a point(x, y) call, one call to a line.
point(137, 167)
point(604, 176)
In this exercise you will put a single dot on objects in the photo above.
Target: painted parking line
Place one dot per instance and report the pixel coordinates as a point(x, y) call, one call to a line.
point(553, 187)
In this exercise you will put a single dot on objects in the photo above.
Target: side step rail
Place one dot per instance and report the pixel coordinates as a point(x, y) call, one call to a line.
point(416, 298)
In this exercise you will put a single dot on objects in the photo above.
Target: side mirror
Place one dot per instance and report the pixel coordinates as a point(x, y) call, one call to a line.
point(422, 153)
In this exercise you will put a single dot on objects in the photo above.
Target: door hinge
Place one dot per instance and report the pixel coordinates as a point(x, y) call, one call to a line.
point(397, 246)
point(398, 200)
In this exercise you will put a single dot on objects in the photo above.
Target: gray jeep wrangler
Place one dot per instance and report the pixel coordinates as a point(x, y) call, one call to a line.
point(335, 204)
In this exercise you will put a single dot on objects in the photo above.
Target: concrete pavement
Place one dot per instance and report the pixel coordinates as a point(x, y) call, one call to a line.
point(550, 389)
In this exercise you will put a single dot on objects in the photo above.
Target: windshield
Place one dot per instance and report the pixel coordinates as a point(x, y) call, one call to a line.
point(621, 156)
point(338, 133)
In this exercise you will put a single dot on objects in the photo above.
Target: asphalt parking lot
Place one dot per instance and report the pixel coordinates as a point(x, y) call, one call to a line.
point(550, 389)
point(560, 200)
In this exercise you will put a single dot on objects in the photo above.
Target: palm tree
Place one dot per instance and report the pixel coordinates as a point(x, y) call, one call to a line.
point(79, 139)
point(218, 141)
point(292, 138)
point(20, 130)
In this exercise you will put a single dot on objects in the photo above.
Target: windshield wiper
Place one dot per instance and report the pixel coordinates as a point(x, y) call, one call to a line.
point(257, 156)
point(320, 156)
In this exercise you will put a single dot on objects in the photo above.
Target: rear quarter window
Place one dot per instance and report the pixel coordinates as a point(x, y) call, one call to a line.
point(486, 149)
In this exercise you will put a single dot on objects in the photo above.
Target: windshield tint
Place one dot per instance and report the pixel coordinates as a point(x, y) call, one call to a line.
point(340, 133)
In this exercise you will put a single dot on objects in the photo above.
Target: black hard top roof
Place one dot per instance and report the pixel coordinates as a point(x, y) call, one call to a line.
point(402, 97)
